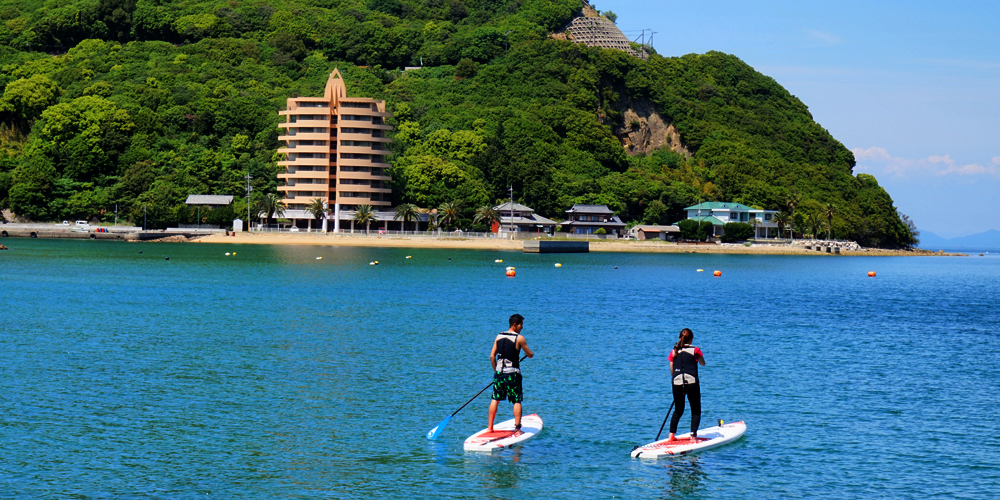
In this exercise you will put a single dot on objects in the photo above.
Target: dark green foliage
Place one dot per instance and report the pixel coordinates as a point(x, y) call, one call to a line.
point(736, 231)
point(694, 230)
point(465, 69)
point(147, 101)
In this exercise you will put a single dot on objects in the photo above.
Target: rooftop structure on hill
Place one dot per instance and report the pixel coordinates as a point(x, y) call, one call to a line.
point(595, 30)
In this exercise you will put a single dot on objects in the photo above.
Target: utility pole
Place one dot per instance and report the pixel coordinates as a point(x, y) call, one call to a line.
point(116, 214)
point(512, 210)
point(143, 216)
point(249, 189)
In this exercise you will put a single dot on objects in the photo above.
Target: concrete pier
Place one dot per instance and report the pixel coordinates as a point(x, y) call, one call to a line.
point(543, 246)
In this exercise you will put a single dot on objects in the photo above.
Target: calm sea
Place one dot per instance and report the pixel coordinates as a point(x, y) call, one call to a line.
point(271, 374)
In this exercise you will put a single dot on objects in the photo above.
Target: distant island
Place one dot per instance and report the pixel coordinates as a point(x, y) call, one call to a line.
point(988, 240)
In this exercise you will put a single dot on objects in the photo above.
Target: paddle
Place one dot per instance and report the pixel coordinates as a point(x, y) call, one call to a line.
point(439, 428)
point(664, 422)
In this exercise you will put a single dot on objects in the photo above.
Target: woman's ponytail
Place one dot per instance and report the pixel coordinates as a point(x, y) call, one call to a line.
point(686, 337)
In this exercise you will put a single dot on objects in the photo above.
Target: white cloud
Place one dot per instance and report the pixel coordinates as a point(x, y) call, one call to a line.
point(876, 159)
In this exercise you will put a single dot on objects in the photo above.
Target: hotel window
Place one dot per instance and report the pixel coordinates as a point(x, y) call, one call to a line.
point(355, 156)
point(365, 105)
point(350, 130)
point(357, 144)
point(734, 216)
point(357, 118)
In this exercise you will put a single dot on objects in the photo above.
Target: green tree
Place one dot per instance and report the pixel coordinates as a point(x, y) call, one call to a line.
point(736, 231)
point(317, 207)
point(486, 215)
point(365, 214)
point(271, 205)
point(449, 213)
point(829, 211)
point(407, 212)
point(465, 68)
point(25, 99)
point(782, 219)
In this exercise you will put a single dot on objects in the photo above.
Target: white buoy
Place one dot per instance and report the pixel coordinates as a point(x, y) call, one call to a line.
point(227, 253)
point(408, 256)
point(319, 258)
point(558, 264)
point(701, 270)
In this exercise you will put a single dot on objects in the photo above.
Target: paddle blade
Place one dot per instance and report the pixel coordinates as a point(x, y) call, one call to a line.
point(438, 429)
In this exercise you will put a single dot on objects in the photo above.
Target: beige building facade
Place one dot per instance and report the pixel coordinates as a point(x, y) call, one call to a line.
point(336, 150)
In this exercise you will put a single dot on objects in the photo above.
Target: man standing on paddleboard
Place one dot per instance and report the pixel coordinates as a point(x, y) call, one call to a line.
point(505, 357)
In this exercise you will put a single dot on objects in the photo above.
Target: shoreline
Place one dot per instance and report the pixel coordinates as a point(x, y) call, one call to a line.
point(517, 245)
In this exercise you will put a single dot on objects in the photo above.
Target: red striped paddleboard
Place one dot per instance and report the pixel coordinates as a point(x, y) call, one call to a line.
point(707, 439)
point(503, 435)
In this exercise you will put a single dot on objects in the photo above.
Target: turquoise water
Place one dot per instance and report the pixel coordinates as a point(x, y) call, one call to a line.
point(270, 374)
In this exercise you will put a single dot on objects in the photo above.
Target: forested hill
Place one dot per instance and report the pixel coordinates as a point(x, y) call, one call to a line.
point(138, 104)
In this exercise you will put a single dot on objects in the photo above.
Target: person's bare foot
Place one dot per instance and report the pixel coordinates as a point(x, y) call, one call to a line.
point(671, 438)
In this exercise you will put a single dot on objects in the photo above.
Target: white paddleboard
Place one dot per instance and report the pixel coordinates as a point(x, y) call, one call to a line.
point(707, 439)
point(503, 435)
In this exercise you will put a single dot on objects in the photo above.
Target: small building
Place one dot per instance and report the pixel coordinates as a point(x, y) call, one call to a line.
point(206, 200)
point(517, 217)
point(720, 213)
point(653, 232)
point(585, 219)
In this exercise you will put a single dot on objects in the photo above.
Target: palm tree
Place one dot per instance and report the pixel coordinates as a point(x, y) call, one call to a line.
point(486, 215)
point(408, 212)
point(364, 214)
point(272, 205)
point(317, 207)
point(829, 210)
point(815, 222)
point(755, 222)
point(792, 201)
point(781, 218)
point(449, 213)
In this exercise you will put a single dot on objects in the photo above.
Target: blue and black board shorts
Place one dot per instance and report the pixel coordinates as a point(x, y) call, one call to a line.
point(507, 386)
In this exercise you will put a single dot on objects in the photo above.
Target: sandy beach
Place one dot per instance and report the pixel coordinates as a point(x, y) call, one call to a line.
point(517, 245)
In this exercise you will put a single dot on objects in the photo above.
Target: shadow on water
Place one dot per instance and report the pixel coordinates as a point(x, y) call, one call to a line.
point(499, 472)
point(686, 478)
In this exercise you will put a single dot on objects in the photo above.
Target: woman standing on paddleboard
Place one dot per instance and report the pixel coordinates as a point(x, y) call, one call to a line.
point(684, 361)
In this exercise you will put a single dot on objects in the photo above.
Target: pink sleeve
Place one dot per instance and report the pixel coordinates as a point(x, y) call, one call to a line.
point(697, 353)
point(670, 357)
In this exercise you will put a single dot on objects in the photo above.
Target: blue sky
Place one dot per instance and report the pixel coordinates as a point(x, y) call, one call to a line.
point(913, 88)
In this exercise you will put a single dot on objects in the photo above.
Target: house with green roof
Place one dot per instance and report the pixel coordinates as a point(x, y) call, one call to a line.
point(719, 213)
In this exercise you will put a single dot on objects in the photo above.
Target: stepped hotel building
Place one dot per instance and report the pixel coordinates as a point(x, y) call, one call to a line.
point(336, 149)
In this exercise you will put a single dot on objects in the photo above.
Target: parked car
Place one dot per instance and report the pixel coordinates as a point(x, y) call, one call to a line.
point(82, 223)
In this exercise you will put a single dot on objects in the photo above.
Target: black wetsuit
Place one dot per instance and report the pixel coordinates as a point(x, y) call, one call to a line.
point(685, 383)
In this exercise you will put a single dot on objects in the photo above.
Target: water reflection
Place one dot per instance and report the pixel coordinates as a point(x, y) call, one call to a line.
point(686, 477)
point(501, 472)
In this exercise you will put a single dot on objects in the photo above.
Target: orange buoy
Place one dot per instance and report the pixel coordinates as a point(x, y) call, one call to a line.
point(871, 274)
point(717, 274)
point(510, 273)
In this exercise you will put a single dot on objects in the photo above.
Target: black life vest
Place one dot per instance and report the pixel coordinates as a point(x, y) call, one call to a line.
point(685, 366)
point(507, 353)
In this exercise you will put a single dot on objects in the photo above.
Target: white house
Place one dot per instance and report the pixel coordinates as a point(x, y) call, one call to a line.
point(719, 213)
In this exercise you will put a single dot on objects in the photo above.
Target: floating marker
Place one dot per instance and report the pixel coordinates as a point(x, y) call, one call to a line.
point(717, 274)
point(558, 264)
point(701, 270)
point(227, 253)
point(409, 256)
point(319, 258)
point(871, 274)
